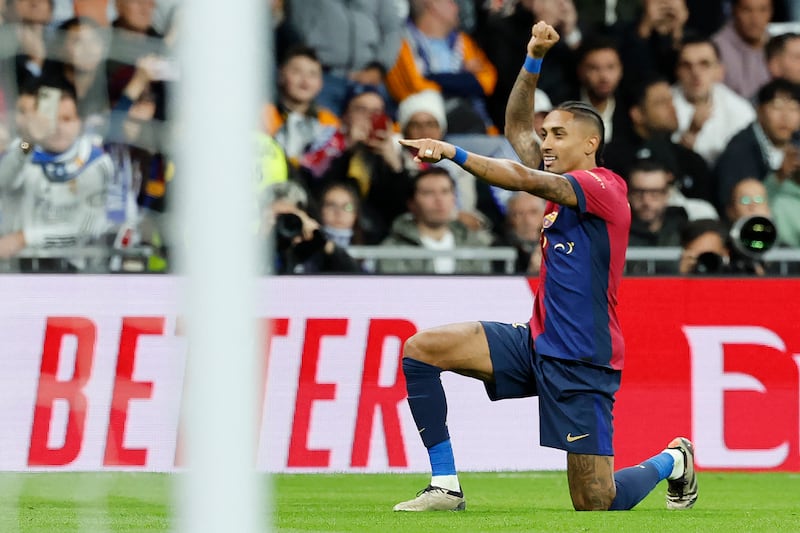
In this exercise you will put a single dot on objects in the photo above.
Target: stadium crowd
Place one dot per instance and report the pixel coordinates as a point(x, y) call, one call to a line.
point(700, 100)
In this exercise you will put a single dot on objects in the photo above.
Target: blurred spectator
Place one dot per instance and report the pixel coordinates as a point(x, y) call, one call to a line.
point(783, 56)
point(422, 115)
point(133, 38)
point(706, 17)
point(603, 16)
point(650, 45)
point(741, 46)
point(81, 64)
point(357, 42)
point(304, 129)
point(709, 113)
point(57, 180)
point(429, 224)
point(32, 18)
point(435, 55)
point(284, 34)
point(785, 206)
point(523, 231)
point(339, 211)
point(599, 73)
point(653, 221)
point(301, 247)
point(703, 248)
point(370, 161)
point(764, 150)
point(748, 198)
point(505, 36)
point(653, 120)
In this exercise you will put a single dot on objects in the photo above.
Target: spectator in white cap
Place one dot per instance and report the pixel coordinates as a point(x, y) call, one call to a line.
point(542, 105)
point(422, 115)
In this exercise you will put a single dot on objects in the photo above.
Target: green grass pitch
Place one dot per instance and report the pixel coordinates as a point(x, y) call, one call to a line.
point(496, 502)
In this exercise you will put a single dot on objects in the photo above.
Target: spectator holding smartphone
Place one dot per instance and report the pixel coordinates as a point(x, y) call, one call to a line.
point(57, 179)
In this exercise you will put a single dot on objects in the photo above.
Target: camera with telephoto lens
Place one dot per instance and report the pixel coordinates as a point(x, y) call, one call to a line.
point(749, 239)
point(288, 227)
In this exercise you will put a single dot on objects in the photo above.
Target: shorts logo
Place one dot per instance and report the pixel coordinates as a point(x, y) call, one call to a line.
point(520, 325)
point(570, 438)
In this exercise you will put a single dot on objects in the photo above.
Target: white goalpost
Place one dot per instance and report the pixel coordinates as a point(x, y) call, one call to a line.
point(222, 83)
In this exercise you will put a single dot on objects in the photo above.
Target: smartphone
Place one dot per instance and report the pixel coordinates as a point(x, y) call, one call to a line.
point(380, 122)
point(166, 70)
point(47, 103)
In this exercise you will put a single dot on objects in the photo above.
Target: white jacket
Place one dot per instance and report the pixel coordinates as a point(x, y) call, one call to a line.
point(63, 211)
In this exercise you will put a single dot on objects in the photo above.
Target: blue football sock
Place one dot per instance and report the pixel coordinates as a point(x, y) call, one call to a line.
point(427, 401)
point(636, 482)
point(442, 461)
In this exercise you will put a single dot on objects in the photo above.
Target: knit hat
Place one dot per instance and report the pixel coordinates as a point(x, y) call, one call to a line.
point(428, 101)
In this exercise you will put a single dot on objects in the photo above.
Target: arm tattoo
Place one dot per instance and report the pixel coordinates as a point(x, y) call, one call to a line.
point(556, 189)
point(519, 121)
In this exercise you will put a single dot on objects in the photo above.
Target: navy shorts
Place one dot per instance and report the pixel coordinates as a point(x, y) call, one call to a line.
point(575, 400)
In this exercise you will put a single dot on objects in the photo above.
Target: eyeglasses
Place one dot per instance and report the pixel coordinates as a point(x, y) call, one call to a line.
point(748, 200)
point(347, 208)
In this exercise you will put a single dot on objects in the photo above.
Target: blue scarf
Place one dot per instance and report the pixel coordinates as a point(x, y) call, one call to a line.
point(67, 165)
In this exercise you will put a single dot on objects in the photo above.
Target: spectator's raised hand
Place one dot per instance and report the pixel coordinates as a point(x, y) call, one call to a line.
point(569, 16)
point(380, 140)
point(31, 40)
point(11, 244)
point(543, 38)
point(790, 168)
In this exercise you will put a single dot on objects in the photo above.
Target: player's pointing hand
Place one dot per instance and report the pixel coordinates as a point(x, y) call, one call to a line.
point(429, 150)
point(543, 38)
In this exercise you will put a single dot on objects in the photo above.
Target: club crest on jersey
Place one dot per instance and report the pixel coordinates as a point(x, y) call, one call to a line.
point(550, 219)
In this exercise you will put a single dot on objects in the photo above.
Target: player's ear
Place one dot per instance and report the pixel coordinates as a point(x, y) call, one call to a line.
point(592, 144)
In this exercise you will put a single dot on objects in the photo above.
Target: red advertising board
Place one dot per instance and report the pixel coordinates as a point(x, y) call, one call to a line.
point(92, 373)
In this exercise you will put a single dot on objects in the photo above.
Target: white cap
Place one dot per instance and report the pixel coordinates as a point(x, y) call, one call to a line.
point(541, 102)
point(428, 101)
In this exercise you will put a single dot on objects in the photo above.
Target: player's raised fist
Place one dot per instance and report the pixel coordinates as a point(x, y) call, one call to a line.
point(543, 38)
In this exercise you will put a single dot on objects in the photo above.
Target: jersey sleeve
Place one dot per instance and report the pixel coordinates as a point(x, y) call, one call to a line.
point(599, 194)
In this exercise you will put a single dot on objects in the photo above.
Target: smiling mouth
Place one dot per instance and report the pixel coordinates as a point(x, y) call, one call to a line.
point(548, 160)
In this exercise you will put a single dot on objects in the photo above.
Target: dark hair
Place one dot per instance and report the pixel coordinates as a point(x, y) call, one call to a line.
point(691, 39)
point(594, 43)
point(638, 94)
point(777, 44)
point(299, 50)
point(647, 164)
point(79, 21)
point(430, 171)
point(696, 228)
point(585, 111)
point(775, 88)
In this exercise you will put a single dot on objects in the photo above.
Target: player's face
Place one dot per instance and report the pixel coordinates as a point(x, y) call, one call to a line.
point(566, 141)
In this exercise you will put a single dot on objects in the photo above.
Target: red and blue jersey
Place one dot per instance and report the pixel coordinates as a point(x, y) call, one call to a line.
point(583, 256)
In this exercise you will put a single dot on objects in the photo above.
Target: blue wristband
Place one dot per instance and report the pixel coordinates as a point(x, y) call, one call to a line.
point(461, 156)
point(533, 65)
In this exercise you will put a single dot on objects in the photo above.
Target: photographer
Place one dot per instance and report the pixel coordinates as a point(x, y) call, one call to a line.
point(300, 246)
point(708, 249)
